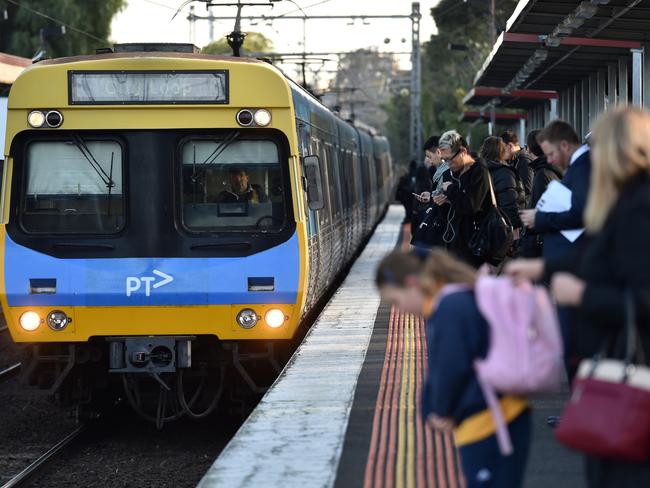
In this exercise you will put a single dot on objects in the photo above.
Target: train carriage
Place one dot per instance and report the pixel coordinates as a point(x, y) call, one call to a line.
point(161, 210)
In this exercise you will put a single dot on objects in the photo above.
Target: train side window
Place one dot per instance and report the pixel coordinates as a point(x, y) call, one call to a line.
point(232, 184)
point(73, 187)
point(314, 183)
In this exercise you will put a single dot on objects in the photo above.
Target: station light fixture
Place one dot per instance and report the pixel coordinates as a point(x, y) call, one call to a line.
point(529, 67)
point(562, 31)
point(30, 321)
point(573, 21)
point(274, 318)
point(247, 318)
point(586, 10)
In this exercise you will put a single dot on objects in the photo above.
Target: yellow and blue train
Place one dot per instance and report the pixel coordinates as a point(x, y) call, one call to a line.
point(163, 209)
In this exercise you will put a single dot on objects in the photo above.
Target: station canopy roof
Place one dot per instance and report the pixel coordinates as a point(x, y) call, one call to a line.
point(586, 47)
point(500, 118)
point(10, 67)
point(523, 99)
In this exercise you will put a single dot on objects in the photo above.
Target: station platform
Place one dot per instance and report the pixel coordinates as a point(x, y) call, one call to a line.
point(345, 411)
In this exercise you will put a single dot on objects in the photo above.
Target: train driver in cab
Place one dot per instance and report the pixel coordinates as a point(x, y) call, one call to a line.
point(241, 190)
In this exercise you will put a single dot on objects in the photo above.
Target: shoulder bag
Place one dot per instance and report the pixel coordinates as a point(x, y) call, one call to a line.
point(493, 238)
point(608, 414)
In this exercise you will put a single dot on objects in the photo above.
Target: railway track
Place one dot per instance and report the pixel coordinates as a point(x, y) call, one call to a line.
point(8, 371)
point(28, 474)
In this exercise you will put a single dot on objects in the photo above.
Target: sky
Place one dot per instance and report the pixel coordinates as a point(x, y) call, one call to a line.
point(150, 21)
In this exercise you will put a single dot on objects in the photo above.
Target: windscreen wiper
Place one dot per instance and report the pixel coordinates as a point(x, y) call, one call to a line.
point(83, 148)
point(199, 169)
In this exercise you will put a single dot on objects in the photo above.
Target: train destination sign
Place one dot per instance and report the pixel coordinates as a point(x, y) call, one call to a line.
point(148, 87)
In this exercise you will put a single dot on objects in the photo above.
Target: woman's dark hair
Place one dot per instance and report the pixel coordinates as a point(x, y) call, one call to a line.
point(532, 144)
point(493, 149)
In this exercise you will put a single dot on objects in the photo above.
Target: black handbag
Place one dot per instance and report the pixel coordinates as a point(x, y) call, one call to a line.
point(493, 237)
point(430, 230)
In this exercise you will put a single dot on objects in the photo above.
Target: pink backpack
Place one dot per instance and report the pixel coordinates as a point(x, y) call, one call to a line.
point(525, 352)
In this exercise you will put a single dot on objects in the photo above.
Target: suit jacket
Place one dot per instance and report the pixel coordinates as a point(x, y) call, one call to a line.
point(550, 224)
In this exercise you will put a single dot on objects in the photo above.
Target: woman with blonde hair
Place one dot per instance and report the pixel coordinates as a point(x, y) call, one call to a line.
point(442, 291)
point(615, 262)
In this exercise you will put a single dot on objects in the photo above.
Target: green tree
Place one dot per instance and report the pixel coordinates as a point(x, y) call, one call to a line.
point(448, 74)
point(20, 32)
point(254, 43)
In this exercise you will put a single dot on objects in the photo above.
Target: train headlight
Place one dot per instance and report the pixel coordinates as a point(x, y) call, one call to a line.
point(58, 320)
point(54, 119)
point(274, 318)
point(36, 119)
point(247, 318)
point(262, 117)
point(245, 117)
point(30, 321)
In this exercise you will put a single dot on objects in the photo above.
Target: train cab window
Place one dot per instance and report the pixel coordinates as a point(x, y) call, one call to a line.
point(232, 185)
point(73, 187)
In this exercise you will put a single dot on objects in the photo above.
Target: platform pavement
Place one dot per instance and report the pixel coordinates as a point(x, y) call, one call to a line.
point(321, 406)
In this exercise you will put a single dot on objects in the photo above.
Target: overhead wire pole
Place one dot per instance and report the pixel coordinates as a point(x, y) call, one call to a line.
point(416, 61)
point(415, 128)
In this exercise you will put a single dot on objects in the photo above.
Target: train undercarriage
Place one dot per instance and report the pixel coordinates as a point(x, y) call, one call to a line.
point(163, 378)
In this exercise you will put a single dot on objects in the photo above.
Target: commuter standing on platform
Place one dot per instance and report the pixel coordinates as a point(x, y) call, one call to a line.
point(457, 335)
point(507, 186)
point(543, 174)
point(562, 148)
point(466, 193)
point(614, 264)
point(518, 158)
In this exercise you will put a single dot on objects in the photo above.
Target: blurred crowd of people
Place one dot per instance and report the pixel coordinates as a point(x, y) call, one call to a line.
point(555, 218)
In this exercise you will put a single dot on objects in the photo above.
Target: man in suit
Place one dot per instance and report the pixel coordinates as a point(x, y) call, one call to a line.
point(563, 150)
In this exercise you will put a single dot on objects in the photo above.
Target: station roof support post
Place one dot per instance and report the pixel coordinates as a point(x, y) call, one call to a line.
point(522, 131)
point(584, 85)
point(600, 92)
point(593, 98)
point(552, 115)
point(571, 117)
point(577, 111)
point(612, 94)
point(637, 76)
point(646, 75)
point(622, 81)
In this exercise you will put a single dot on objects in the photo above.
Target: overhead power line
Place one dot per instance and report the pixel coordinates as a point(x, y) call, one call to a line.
point(60, 22)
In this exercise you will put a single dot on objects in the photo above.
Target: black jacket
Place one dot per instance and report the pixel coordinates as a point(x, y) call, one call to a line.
point(508, 190)
point(543, 174)
point(615, 260)
point(469, 203)
point(532, 242)
point(550, 224)
point(521, 162)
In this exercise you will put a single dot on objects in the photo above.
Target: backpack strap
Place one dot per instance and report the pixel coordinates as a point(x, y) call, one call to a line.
point(502, 433)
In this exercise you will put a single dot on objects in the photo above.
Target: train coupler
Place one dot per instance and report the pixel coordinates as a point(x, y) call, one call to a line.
point(151, 355)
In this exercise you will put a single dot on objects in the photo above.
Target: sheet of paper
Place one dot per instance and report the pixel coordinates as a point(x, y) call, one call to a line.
point(557, 198)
